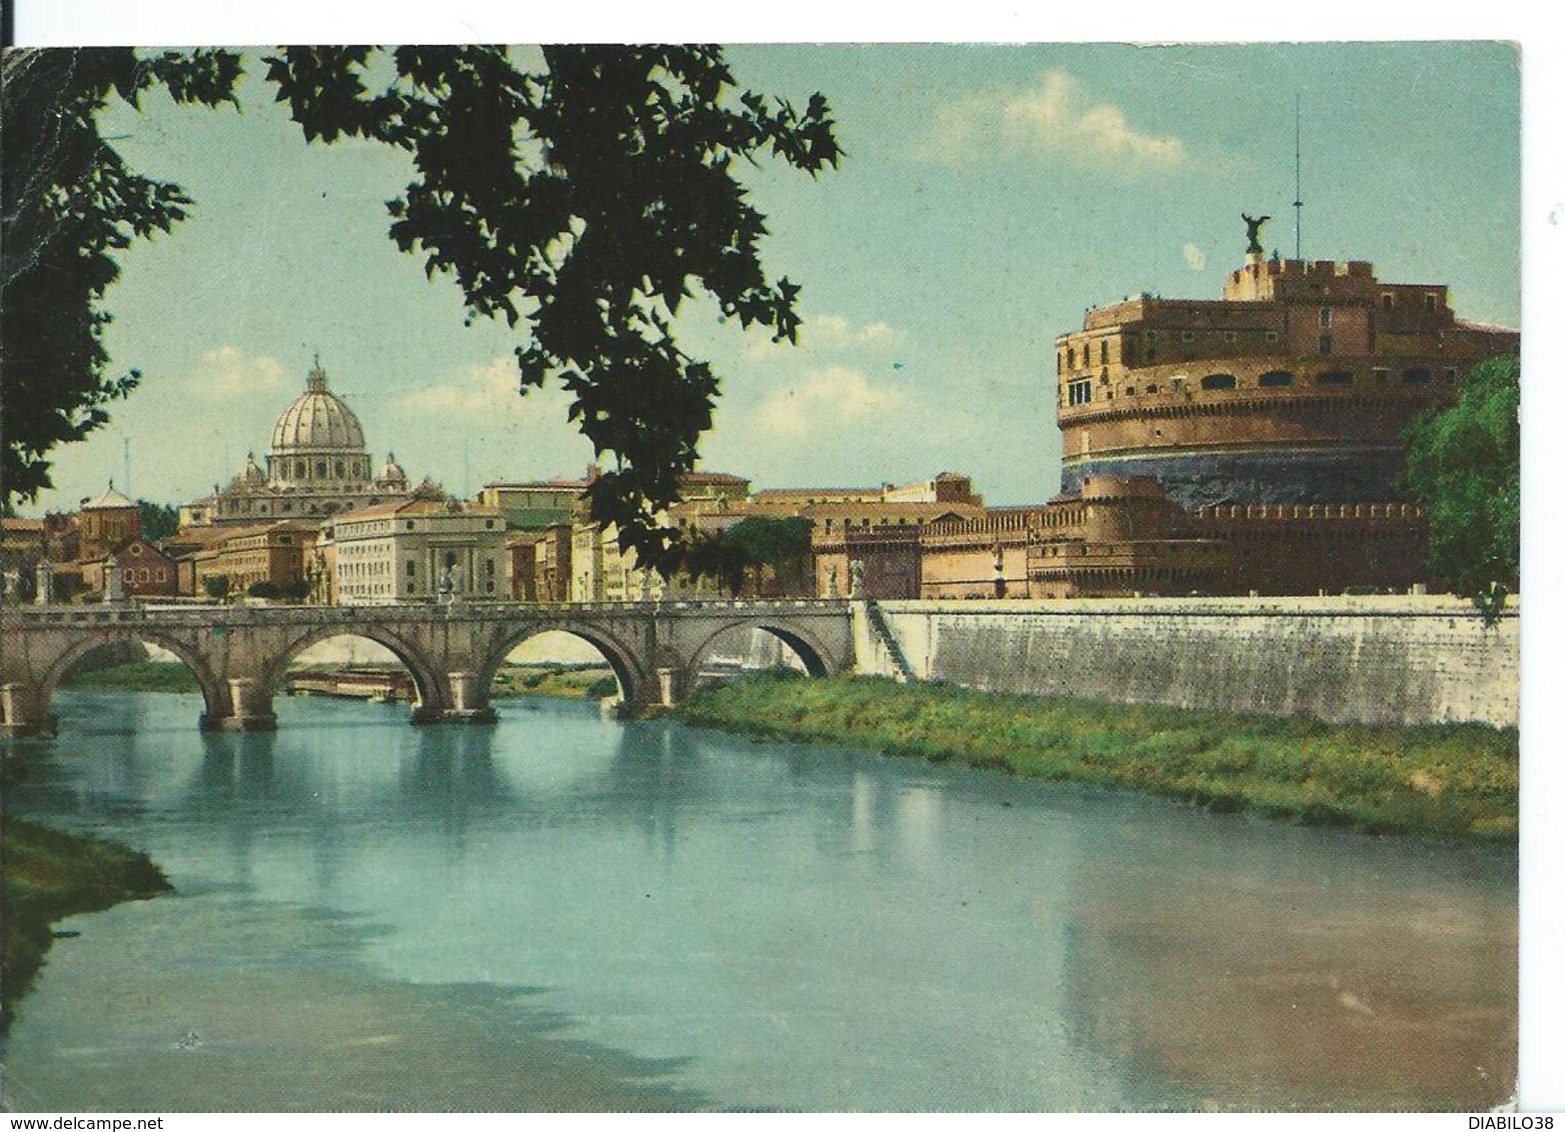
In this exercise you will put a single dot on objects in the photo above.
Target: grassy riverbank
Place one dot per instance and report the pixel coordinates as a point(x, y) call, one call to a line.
point(1457, 780)
point(48, 875)
point(140, 676)
point(547, 679)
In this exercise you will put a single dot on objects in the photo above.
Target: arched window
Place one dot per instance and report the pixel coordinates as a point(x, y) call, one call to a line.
point(1219, 381)
point(1275, 378)
point(1335, 377)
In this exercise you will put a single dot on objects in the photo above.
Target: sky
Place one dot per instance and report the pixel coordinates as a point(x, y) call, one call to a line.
point(989, 194)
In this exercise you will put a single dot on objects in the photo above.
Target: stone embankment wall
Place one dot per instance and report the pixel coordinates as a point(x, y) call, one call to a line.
point(1400, 660)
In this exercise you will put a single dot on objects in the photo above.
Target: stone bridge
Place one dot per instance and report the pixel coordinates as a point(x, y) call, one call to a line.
point(239, 654)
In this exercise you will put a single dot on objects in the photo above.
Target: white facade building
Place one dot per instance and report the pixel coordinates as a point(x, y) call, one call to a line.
point(419, 550)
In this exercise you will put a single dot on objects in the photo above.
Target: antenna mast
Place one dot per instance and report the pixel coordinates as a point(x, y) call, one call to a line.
point(1298, 204)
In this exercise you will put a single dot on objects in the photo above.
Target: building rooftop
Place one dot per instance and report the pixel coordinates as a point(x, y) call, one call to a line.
point(110, 500)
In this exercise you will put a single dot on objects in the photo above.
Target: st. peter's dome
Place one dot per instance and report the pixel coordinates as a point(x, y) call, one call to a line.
point(317, 422)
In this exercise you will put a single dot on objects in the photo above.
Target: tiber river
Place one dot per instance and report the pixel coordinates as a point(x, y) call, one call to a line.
point(565, 912)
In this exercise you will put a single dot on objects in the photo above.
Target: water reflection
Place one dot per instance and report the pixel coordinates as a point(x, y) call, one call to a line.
point(757, 925)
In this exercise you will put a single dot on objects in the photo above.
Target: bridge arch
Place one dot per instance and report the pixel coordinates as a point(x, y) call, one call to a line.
point(214, 693)
point(428, 681)
point(815, 656)
point(634, 680)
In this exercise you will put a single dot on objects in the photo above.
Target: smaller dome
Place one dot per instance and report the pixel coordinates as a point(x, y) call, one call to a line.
point(392, 472)
point(252, 473)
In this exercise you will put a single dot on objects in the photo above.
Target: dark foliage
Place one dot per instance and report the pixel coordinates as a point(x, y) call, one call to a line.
point(749, 546)
point(69, 205)
point(158, 520)
point(583, 203)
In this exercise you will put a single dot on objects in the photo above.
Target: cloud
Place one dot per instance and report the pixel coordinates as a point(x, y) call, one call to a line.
point(475, 391)
point(825, 332)
point(833, 330)
point(835, 395)
point(1195, 257)
point(1053, 118)
point(226, 373)
point(486, 400)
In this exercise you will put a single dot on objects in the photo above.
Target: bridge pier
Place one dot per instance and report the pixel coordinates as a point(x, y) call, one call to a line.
point(250, 708)
point(21, 712)
point(469, 704)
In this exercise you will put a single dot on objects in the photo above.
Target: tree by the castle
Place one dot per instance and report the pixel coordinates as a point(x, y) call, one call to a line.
point(1464, 466)
point(750, 547)
point(582, 201)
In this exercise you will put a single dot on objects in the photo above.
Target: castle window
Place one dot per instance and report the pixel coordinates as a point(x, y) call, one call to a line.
point(1152, 388)
point(1429, 301)
point(1219, 381)
point(1078, 392)
point(1271, 336)
point(1103, 352)
point(1275, 378)
point(410, 524)
point(1070, 358)
point(1335, 377)
point(1130, 391)
point(1380, 375)
point(1187, 335)
point(1387, 301)
point(1325, 343)
point(1059, 363)
point(1415, 377)
point(1325, 317)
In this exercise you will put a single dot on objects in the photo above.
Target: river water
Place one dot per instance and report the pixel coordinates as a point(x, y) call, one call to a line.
point(566, 912)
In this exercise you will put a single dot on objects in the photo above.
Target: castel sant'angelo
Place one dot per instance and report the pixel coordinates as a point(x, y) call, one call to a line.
point(1247, 443)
